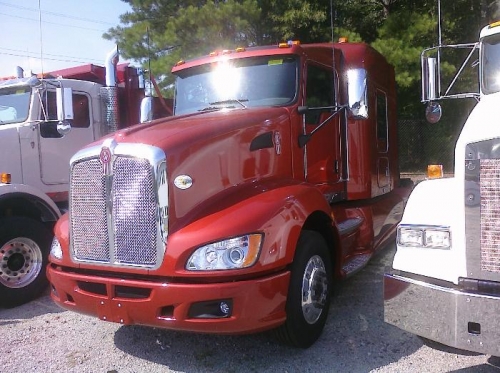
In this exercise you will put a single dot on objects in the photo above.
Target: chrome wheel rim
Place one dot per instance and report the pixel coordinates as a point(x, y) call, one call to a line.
point(21, 261)
point(314, 289)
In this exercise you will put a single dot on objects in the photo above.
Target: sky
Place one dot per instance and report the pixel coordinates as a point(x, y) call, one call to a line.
point(46, 35)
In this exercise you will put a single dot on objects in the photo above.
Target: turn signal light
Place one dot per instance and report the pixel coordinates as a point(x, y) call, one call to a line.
point(5, 178)
point(435, 171)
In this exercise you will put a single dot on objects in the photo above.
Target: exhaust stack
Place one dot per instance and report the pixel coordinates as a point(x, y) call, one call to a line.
point(109, 94)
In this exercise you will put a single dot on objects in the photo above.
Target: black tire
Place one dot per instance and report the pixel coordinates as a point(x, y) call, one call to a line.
point(311, 279)
point(24, 253)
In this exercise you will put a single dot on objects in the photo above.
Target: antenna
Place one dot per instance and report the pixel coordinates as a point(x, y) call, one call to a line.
point(41, 38)
point(333, 51)
point(149, 60)
point(439, 50)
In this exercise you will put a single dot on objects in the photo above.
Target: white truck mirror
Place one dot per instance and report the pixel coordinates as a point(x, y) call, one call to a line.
point(429, 79)
point(64, 100)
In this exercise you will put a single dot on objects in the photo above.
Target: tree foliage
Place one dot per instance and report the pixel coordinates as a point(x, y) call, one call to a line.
point(158, 33)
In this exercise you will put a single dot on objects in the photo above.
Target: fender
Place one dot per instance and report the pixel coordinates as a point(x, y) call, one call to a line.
point(39, 200)
point(278, 213)
point(434, 203)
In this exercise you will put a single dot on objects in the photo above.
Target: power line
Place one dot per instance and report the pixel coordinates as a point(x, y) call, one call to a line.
point(54, 23)
point(22, 53)
point(57, 14)
point(45, 58)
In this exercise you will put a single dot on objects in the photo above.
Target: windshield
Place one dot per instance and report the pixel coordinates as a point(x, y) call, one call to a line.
point(14, 104)
point(238, 83)
point(490, 79)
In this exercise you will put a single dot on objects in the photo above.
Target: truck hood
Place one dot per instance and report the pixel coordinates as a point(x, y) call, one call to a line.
point(170, 132)
point(224, 153)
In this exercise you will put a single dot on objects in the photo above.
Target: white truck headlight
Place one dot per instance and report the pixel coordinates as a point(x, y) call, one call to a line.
point(55, 249)
point(437, 237)
point(233, 253)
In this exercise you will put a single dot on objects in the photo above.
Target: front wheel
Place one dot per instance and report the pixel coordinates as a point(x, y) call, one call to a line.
point(24, 252)
point(309, 292)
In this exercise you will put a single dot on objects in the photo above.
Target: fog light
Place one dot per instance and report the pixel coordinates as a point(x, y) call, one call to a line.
point(225, 308)
point(214, 309)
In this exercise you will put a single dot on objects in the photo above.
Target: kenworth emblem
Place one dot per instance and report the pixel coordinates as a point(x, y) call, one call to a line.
point(106, 155)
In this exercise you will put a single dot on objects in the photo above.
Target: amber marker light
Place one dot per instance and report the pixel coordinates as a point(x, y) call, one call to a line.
point(495, 24)
point(435, 171)
point(254, 243)
point(5, 178)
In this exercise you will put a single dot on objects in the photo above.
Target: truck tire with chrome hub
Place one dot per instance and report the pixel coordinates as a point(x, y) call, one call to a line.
point(309, 292)
point(24, 251)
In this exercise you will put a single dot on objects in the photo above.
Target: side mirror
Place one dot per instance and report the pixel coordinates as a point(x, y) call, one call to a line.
point(429, 79)
point(433, 112)
point(63, 128)
point(146, 109)
point(64, 102)
point(358, 93)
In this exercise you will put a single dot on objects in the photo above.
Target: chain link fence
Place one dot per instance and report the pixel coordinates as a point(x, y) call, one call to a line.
point(422, 143)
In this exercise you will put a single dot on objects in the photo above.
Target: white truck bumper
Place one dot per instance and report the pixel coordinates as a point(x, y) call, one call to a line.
point(443, 313)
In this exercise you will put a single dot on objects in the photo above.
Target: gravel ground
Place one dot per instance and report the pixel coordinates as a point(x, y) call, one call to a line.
point(41, 337)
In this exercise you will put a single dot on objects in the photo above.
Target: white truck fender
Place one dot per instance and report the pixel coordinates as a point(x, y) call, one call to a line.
point(49, 209)
point(435, 203)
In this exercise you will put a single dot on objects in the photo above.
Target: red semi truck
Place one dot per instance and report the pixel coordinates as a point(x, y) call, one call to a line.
point(276, 177)
point(36, 146)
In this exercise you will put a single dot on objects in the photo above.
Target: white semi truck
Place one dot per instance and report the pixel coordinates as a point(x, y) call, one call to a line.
point(44, 120)
point(444, 284)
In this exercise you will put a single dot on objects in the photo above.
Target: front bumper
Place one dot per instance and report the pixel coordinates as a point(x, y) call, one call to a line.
point(257, 304)
point(442, 313)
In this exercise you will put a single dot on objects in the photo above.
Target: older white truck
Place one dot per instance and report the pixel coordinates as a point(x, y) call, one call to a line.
point(39, 132)
point(444, 284)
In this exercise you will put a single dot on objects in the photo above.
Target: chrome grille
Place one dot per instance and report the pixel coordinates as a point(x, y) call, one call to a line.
point(114, 212)
point(88, 212)
point(134, 211)
point(490, 214)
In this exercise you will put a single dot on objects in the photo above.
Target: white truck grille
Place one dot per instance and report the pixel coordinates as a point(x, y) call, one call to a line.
point(490, 214)
point(114, 212)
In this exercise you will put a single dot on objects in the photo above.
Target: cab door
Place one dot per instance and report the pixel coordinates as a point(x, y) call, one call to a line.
point(55, 149)
point(323, 151)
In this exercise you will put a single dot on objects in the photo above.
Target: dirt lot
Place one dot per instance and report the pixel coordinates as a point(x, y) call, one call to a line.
point(41, 337)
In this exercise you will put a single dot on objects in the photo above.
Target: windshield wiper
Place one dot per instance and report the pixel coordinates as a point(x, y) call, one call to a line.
point(231, 101)
point(225, 102)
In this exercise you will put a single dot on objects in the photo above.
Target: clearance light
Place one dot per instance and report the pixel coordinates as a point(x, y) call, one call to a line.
point(213, 54)
point(288, 44)
point(431, 237)
point(495, 24)
point(181, 62)
point(5, 178)
point(343, 40)
point(240, 49)
point(227, 51)
point(435, 171)
point(234, 253)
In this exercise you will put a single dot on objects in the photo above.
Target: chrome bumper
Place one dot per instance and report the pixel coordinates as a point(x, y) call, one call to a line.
point(446, 315)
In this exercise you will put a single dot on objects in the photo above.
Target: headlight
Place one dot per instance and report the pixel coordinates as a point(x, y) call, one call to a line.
point(437, 237)
point(234, 253)
point(55, 249)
